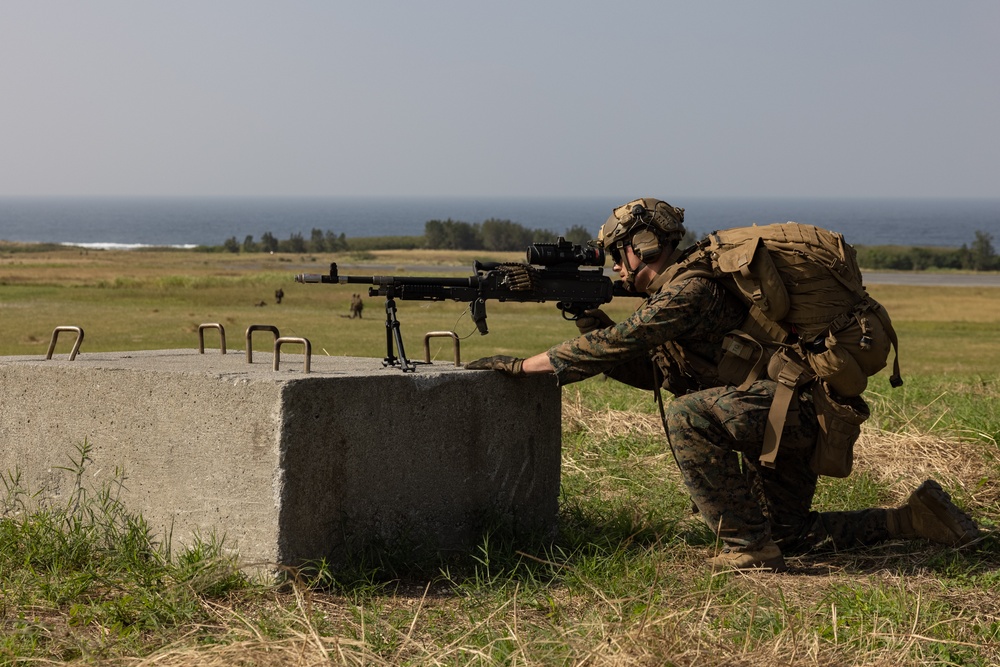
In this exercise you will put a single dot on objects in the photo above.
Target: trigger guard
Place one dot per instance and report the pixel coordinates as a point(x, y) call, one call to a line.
point(568, 311)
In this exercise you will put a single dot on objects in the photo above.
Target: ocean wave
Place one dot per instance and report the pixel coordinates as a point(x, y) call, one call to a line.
point(125, 246)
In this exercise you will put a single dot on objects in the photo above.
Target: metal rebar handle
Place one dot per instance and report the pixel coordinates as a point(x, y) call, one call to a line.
point(201, 335)
point(441, 334)
point(76, 346)
point(303, 341)
point(258, 327)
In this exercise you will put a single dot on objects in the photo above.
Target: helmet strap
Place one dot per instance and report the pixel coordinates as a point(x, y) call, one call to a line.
point(630, 273)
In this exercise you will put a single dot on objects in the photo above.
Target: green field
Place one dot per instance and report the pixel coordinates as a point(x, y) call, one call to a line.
point(623, 584)
point(156, 300)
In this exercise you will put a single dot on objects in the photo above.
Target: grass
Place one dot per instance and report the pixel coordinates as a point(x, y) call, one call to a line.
point(624, 583)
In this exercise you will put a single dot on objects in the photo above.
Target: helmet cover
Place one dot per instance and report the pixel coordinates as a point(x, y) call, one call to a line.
point(664, 220)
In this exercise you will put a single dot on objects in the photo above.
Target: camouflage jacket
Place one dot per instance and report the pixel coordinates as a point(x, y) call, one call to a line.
point(679, 328)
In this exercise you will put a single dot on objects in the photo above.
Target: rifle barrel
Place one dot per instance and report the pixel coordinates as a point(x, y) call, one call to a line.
point(400, 281)
point(387, 281)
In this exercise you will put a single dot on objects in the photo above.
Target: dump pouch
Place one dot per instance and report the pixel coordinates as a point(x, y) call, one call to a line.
point(840, 422)
point(856, 347)
point(839, 368)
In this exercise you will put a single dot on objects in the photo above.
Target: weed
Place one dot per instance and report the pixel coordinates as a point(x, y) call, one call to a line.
point(91, 564)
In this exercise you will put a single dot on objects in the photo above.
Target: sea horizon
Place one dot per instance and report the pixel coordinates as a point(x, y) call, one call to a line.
point(191, 221)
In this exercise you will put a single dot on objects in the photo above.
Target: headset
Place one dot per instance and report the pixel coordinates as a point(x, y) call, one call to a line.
point(645, 242)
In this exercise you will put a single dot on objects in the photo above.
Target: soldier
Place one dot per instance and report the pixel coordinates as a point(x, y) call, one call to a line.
point(674, 340)
point(357, 305)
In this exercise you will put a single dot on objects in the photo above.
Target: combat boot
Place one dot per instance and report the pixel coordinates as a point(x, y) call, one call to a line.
point(930, 514)
point(766, 558)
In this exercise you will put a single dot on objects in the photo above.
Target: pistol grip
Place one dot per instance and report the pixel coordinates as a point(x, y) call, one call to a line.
point(478, 310)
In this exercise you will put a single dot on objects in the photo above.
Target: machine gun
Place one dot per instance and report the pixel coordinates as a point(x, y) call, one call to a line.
point(552, 272)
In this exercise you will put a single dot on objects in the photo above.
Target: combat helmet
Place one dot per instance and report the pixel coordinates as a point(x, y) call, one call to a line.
point(647, 223)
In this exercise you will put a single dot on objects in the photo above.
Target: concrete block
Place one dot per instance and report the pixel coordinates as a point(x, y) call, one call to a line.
point(291, 466)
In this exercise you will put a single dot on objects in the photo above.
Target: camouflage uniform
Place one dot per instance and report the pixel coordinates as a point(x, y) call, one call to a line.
point(712, 426)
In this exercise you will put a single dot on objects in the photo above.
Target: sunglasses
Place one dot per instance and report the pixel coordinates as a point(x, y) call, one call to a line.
point(617, 252)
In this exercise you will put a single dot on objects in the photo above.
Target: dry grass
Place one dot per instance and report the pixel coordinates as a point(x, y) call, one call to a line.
point(900, 460)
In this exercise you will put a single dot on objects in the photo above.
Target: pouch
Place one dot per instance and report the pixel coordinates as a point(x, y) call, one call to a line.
point(744, 360)
point(753, 270)
point(840, 422)
point(839, 368)
point(855, 350)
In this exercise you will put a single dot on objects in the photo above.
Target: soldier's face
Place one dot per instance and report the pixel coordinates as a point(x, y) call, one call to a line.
point(627, 264)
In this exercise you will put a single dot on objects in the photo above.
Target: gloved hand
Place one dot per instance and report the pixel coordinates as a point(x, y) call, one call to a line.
point(593, 319)
point(508, 365)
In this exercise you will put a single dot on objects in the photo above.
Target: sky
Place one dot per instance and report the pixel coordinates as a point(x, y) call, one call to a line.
point(872, 98)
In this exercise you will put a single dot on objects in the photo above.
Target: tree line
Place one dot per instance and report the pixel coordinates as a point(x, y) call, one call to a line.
point(319, 241)
point(504, 235)
point(980, 256)
point(447, 234)
point(493, 234)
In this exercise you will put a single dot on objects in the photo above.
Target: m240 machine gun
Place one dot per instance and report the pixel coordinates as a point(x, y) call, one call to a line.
point(571, 275)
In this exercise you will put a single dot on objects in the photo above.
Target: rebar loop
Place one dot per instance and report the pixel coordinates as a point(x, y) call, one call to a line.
point(201, 335)
point(76, 346)
point(441, 334)
point(258, 327)
point(303, 341)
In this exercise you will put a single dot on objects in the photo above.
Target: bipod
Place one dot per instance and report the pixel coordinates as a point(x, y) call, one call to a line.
point(392, 336)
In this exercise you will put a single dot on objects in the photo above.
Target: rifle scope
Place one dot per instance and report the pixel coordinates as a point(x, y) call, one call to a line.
point(564, 252)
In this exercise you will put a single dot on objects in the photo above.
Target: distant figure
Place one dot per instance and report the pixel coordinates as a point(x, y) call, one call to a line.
point(260, 304)
point(357, 305)
point(279, 294)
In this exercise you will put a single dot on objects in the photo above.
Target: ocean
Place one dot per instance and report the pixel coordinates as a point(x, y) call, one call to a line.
point(102, 222)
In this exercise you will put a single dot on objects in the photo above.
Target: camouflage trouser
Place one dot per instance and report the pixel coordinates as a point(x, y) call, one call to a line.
point(746, 506)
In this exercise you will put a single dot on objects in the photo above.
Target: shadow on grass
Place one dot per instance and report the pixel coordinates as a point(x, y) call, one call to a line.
point(594, 541)
point(981, 559)
point(504, 557)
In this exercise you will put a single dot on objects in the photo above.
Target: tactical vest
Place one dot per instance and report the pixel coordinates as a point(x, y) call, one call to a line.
point(810, 318)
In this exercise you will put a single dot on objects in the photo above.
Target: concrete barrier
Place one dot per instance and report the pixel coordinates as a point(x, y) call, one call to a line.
point(291, 466)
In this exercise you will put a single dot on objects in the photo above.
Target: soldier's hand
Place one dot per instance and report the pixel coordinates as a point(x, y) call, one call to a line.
point(508, 365)
point(593, 319)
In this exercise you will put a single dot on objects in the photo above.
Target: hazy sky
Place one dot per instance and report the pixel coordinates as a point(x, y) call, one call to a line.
point(670, 99)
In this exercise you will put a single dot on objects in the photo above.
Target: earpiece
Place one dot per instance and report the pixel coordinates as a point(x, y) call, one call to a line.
point(646, 245)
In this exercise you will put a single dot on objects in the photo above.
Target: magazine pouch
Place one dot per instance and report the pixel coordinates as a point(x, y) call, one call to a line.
point(744, 360)
point(840, 422)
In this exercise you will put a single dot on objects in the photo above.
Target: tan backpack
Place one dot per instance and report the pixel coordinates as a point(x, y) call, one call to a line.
point(810, 317)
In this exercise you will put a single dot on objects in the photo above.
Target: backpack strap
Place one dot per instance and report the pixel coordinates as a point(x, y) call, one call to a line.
point(791, 376)
point(895, 380)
